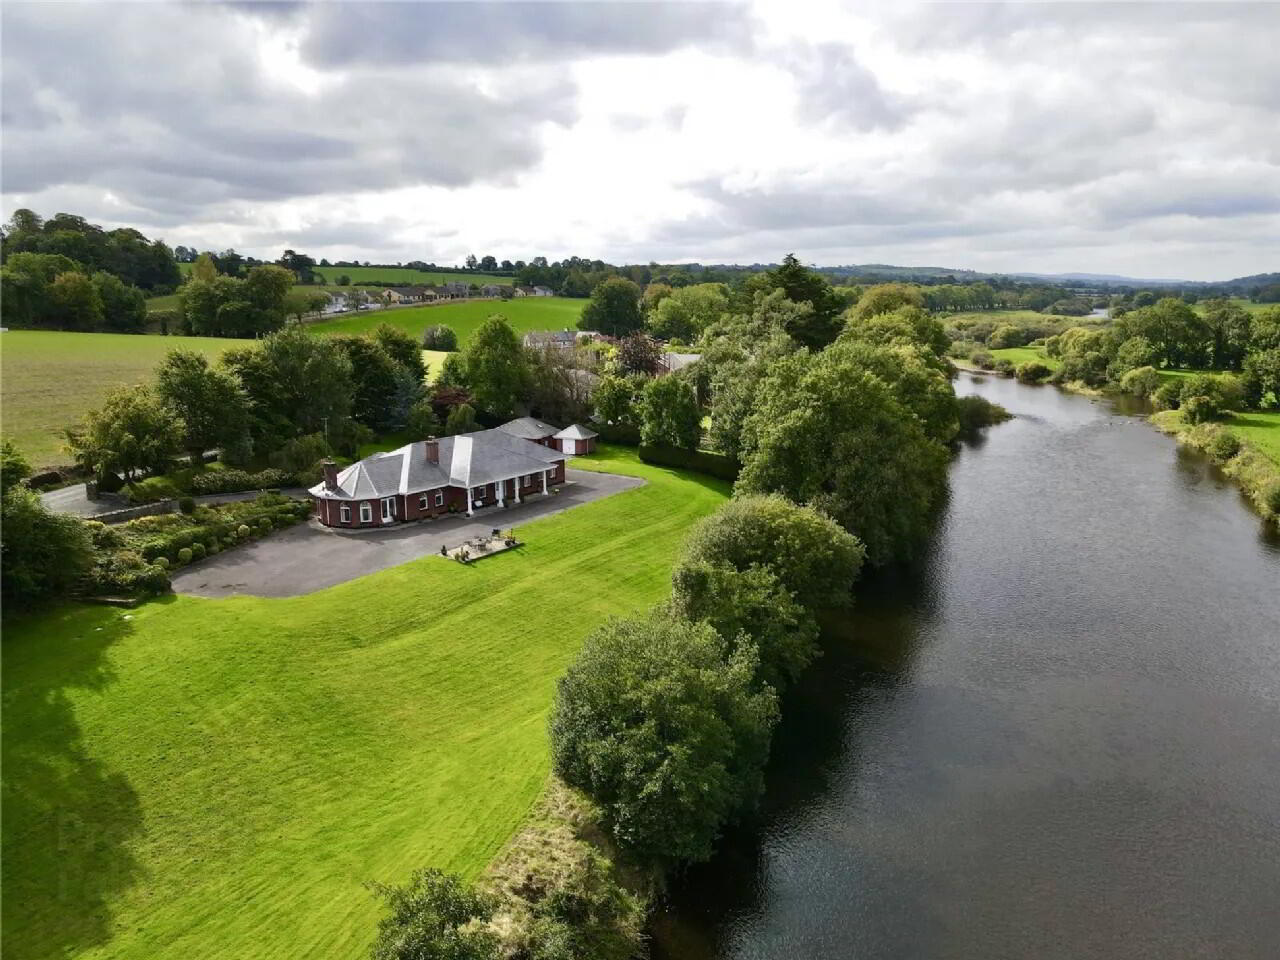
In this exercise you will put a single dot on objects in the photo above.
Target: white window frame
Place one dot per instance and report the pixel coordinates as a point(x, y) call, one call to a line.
point(344, 513)
point(388, 511)
point(439, 499)
point(366, 512)
point(422, 501)
point(479, 493)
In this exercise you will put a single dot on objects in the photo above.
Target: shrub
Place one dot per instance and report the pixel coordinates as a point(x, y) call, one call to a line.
point(434, 916)
point(665, 730)
point(1168, 395)
point(1142, 382)
point(187, 505)
point(1200, 409)
point(1271, 498)
point(976, 412)
point(197, 550)
point(1224, 446)
point(161, 562)
point(1003, 366)
point(242, 531)
point(44, 554)
point(439, 337)
point(1032, 371)
point(126, 573)
point(233, 481)
point(1053, 347)
point(298, 455)
point(700, 461)
point(983, 359)
point(184, 556)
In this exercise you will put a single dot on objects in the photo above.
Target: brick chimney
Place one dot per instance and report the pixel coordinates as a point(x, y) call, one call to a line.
point(330, 475)
point(433, 450)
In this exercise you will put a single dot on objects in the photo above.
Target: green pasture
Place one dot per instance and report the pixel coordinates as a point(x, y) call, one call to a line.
point(524, 313)
point(218, 778)
point(1260, 429)
point(50, 379)
point(1017, 355)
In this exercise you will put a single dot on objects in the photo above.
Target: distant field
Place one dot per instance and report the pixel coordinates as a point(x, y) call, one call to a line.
point(1260, 429)
point(525, 314)
point(168, 302)
point(51, 379)
point(1017, 355)
point(403, 275)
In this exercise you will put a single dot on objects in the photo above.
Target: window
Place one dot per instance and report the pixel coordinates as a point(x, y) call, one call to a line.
point(344, 513)
point(439, 499)
point(388, 509)
point(366, 513)
point(479, 492)
point(422, 501)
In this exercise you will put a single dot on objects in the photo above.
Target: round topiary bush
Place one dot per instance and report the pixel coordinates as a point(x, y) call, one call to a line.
point(242, 531)
point(184, 555)
point(161, 562)
point(187, 505)
point(1224, 447)
point(197, 551)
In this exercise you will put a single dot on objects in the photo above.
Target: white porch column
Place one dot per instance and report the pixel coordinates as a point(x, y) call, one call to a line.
point(543, 474)
point(502, 493)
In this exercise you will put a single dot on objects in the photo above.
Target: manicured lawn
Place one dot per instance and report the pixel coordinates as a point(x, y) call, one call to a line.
point(1017, 355)
point(524, 313)
point(218, 778)
point(434, 359)
point(50, 379)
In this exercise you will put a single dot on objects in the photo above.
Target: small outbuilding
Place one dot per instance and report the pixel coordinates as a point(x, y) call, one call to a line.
point(576, 439)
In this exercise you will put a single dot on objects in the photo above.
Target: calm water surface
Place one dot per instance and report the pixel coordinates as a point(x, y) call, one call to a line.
point(1059, 737)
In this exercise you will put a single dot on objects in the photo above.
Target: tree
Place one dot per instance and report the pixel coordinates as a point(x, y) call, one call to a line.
point(653, 295)
point(461, 419)
point(919, 382)
point(1260, 379)
point(614, 308)
point(686, 312)
point(373, 379)
point(801, 285)
point(75, 302)
point(813, 557)
point(24, 287)
point(213, 409)
point(14, 467)
point(886, 298)
point(1006, 335)
point(204, 268)
point(830, 433)
point(422, 421)
point(133, 431)
point(296, 383)
point(434, 917)
point(439, 337)
point(299, 303)
point(453, 372)
point(124, 309)
point(1133, 353)
point(1180, 336)
point(667, 730)
point(266, 288)
point(471, 261)
point(638, 353)
point(750, 605)
point(496, 371)
point(669, 414)
point(300, 265)
point(903, 325)
point(1228, 325)
point(558, 389)
point(43, 555)
point(344, 280)
point(401, 348)
point(488, 263)
point(616, 401)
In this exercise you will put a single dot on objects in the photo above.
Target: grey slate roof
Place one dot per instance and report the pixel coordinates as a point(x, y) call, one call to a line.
point(528, 428)
point(678, 361)
point(576, 432)
point(467, 460)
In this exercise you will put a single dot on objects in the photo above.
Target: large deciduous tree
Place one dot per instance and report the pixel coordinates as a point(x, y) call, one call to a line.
point(686, 312)
point(210, 403)
point(822, 324)
point(75, 302)
point(496, 370)
point(124, 309)
point(614, 308)
point(434, 917)
point(669, 414)
point(43, 555)
point(829, 432)
point(667, 730)
point(133, 431)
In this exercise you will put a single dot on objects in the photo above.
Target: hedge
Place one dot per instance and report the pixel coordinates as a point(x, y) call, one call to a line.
point(233, 481)
point(699, 461)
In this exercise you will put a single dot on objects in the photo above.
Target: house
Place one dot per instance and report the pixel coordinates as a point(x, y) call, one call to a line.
point(432, 477)
point(491, 290)
point(542, 292)
point(527, 428)
point(672, 362)
point(537, 339)
point(523, 291)
point(576, 439)
point(455, 289)
point(402, 294)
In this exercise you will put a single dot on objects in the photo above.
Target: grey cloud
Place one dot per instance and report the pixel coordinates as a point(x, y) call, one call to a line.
point(835, 86)
point(203, 124)
point(496, 33)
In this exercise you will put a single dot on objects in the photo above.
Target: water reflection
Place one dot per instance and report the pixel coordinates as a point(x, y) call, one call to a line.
point(1055, 736)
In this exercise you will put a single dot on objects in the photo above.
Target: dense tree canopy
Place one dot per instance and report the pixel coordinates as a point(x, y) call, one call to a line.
point(614, 308)
point(669, 414)
point(43, 555)
point(213, 409)
point(683, 314)
point(123, 252)
point(434, 917)
point(496, 369)
point(134, 431)
point(666, 729)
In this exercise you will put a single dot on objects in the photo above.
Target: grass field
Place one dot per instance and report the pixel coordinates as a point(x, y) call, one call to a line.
point(217, 779)
point(402, 275)
point(49, 379)
point(524, 313)
point(167, 302)
point(1017, 355)
point(1260, 429)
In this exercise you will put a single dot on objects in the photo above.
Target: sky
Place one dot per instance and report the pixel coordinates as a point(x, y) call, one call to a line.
point(1119, 138)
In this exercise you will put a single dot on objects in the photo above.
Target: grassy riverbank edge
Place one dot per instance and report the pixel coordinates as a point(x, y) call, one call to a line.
point(1250, 467)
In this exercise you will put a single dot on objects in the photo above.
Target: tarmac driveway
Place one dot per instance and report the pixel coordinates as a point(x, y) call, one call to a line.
point(308, 557)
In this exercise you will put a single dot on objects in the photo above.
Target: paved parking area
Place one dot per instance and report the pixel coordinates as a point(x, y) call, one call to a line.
point(307, 557)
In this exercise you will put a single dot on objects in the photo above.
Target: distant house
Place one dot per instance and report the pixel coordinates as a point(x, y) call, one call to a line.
point(491, 290)
point(543, 292)
point(551, 338)
point(402, 294)
point(524, 291)
point(455, 289)
point(432, 477)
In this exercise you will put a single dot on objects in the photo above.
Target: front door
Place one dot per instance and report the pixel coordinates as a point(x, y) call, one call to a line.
point(388, 509)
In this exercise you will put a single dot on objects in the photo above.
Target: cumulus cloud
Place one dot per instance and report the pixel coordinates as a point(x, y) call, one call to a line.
point(1051, 137)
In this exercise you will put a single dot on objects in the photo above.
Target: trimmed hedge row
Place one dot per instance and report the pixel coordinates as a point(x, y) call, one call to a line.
point(699, 461)
point(233, 481)
point(210, 536)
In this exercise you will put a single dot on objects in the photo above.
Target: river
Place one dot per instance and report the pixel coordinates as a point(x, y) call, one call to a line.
point(1057, 737)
